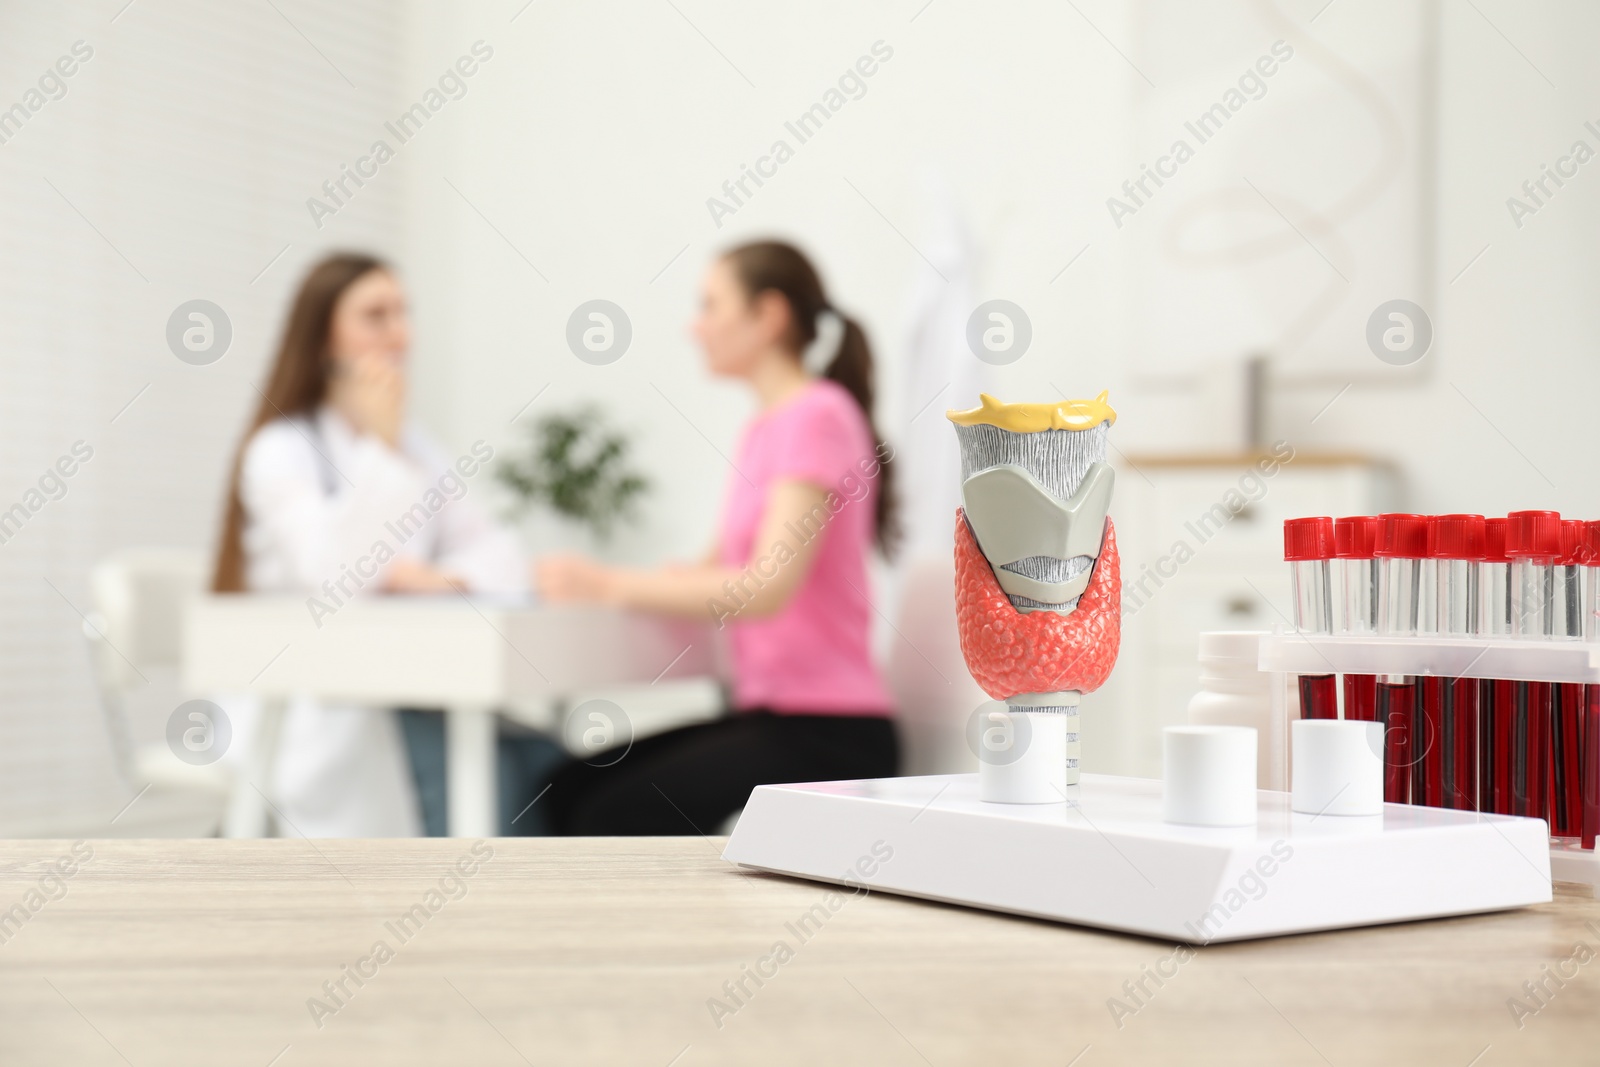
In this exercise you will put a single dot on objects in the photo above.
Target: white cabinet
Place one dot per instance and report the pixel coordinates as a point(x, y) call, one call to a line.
point(1202, 549)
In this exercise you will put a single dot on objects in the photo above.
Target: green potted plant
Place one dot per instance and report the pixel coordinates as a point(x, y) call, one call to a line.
point(576, 467)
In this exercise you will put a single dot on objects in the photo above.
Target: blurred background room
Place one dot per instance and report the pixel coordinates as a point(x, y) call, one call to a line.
point(1327, 256)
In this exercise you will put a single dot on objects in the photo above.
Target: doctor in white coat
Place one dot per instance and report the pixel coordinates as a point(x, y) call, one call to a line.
point(334, 495)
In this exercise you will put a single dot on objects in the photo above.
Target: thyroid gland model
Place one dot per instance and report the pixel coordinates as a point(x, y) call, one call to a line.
point(1038, 585)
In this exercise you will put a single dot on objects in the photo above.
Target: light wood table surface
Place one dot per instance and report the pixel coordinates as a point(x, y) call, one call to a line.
point(607, 951)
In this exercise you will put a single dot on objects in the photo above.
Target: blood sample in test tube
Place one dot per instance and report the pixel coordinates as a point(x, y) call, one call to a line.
point(1533, 541)
point(1494, 694)
point(1308, 549)
point(1427, 753)
point(1589, 735)
point(1450, 705)
point(1567, 699)
point(1354, 539)
point(1402, 546)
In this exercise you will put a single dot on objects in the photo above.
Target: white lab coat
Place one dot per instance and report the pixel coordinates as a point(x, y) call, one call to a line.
point(318, 498)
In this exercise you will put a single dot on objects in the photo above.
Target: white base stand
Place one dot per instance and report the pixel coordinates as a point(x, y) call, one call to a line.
point(1105, 858)
point(1569, 863)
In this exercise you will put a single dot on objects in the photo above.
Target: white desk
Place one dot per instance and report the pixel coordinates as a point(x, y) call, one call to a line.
point(468, 657)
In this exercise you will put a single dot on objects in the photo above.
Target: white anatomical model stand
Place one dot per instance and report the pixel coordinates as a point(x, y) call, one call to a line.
point(1038, 601)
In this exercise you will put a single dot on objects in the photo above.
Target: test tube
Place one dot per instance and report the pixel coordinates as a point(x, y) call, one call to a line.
point(1589, 736)
point(1494, 694)
point(1308, 549)
point(1427, 753)
point(1533, 541)
point(1402, 545)
point(1567, 699)
point(1450, 705)
point(1590, 765)
point(1354, 539)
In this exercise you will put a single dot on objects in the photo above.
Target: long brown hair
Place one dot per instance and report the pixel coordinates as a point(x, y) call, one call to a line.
point(776, 266)
point(298, 383)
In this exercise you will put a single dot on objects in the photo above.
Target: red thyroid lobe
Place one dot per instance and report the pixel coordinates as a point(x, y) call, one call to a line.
point(1011, 652)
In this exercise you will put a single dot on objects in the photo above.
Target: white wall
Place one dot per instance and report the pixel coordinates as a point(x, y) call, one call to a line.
point(176, 166)
point(599, 132)
point(1514, 334)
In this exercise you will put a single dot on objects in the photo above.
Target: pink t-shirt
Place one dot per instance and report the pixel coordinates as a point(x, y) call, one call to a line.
point(815, 655)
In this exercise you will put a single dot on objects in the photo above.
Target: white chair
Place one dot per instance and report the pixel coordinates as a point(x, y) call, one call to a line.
point(135, 630)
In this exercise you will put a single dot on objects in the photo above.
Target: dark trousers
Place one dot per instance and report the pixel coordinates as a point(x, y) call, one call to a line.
point(689, 780)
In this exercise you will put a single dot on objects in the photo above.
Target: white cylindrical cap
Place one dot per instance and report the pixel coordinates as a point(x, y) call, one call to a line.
point(1337, 766)
point(1023, 756)
point(1232, 646)
point(1210, 775)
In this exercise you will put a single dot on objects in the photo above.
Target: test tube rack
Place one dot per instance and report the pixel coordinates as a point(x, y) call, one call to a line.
point(1510, 658)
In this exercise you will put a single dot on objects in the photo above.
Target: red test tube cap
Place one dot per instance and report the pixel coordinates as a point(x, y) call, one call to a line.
point(1309, 538)
point(1591, 544)
point(1574, 542)
point(1494, 541)
point(1355, 536)
point(1456, 537)
point(1402, 536)
point(1533, 535)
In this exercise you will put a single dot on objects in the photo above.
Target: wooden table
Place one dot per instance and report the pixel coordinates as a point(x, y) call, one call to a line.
point(608, 951)
point(469, 657)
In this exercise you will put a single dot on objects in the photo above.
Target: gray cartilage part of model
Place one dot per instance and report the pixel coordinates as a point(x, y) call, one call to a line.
point(1042, 548)
point(1036, 503)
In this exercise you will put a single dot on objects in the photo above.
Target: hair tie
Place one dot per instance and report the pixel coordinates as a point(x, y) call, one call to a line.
point(820, 353)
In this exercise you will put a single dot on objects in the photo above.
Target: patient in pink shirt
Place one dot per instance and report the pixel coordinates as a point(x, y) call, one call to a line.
point(808, 496)
point(814, 655)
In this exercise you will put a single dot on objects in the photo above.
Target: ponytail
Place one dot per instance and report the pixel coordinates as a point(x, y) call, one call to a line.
point(782, 268)
point(853, 369)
